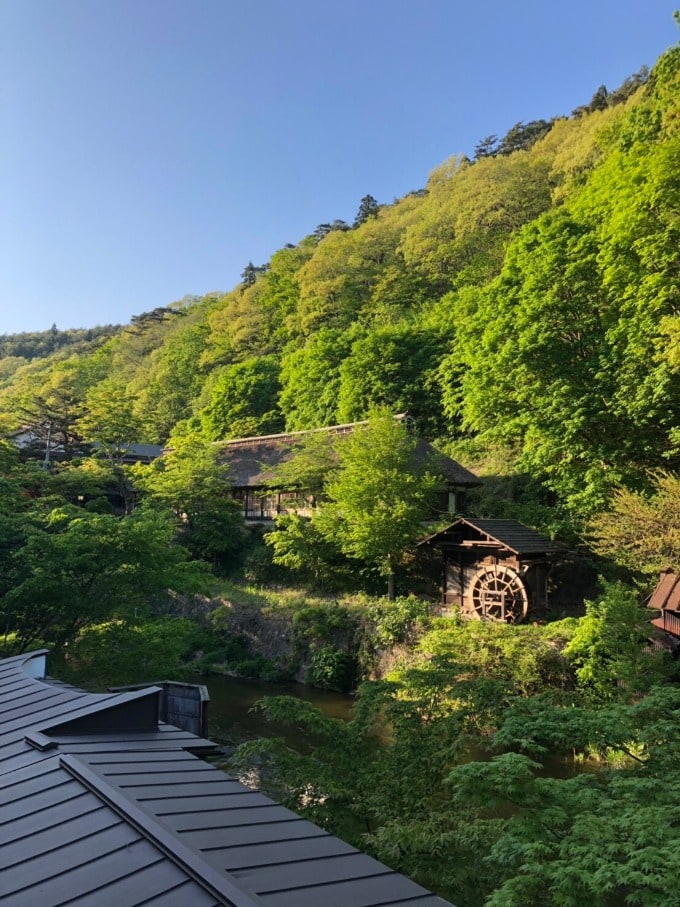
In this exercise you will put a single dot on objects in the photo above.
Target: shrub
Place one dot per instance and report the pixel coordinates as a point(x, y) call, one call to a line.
point(332, 669)
point(120, 652)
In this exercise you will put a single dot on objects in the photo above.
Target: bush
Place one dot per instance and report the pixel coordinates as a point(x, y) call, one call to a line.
point(395, 621)
point(609, 648)
point(332, 669)
point(324, 621)
point(258, 564)
point(119, 652)
point(233, 649)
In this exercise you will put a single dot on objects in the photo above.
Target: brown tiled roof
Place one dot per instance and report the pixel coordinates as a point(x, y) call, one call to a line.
point(666, 596)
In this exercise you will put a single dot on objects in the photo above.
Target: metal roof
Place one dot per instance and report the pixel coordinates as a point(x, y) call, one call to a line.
point(509, 534)
point(103, 805)
point(666, 596)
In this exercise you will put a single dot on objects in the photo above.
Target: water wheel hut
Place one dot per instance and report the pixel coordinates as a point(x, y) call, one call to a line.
point(494, 569)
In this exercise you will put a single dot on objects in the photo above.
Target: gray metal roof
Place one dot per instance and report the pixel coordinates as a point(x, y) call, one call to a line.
point(62, 843)
point(103, 805)
point(509, 534)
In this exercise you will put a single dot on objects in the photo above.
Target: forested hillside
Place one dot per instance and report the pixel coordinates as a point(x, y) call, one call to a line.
point(523, 307)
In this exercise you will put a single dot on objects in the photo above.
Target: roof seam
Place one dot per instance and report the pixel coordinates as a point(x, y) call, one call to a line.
point(36, 811)
point(57, 824)
point(71, 866)
point(370, 875)
point(129, 875)
point(265, 841)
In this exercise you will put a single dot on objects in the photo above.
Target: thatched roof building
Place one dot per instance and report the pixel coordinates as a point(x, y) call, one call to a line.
point(252, 464)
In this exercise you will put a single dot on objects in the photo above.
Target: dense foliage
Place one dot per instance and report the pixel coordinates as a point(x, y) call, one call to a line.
point(503, 765)
point(67, 561)
point(376, 492)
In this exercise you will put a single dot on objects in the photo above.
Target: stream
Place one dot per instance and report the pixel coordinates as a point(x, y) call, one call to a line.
point(232, 719)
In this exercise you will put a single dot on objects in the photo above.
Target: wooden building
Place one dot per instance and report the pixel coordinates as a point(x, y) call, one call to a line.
point(252, 464)
point(666, 600)
point(103, 805)
point(493, 569)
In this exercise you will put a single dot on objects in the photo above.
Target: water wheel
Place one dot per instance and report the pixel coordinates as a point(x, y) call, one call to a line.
point(498, 593)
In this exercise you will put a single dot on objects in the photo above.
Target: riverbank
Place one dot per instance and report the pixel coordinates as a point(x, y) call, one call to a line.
point(287, 634)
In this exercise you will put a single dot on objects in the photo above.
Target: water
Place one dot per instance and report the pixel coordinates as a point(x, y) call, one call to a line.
point(232, 718)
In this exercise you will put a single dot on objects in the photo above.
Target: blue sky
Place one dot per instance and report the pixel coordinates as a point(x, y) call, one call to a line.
point(151, 148)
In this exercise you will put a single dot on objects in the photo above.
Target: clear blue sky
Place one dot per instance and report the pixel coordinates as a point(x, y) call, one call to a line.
point(151, 148)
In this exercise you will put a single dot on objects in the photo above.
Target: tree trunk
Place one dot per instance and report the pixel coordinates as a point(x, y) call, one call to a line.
point(390, 586)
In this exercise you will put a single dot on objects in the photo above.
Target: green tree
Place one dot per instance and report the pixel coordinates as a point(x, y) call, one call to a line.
point(394, 367)
point(381, 779)
point(522, 136)
point(608, 648)
point(486, 147)
point(88, 482)
point(338, 281)
point(641, 531)
point(188, 482)
point(249, 275)
point(379, 495)
point(368, 207)
point(313, 459)
point(604, 839)
point(109, 419)
point(19, 485)
point(302, 549)
point(548, 307)
point(280, 296)
point(310, 380)
point(51, 399)
point(134, 651)
point(243, 400)
point(78, 568)
point(332, 291)
point(173, 377)
point(450, 772)
point(470, 214)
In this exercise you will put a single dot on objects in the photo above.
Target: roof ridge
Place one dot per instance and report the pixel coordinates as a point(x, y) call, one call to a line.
point(291, 435)
point(41, 738)
point(222, 885)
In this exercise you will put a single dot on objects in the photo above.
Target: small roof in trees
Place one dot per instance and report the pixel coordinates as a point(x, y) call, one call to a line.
point(510, 534)
point(666, 596)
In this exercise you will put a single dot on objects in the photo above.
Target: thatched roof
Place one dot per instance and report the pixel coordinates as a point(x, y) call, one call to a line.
point(252, 461)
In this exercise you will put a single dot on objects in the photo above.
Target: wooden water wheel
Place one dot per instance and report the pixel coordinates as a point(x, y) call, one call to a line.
point(498, 593)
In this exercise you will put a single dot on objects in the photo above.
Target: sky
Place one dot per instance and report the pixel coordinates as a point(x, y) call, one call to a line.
point(152, 148)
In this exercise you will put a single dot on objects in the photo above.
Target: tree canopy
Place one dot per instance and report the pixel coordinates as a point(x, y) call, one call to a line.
point(374, 493)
